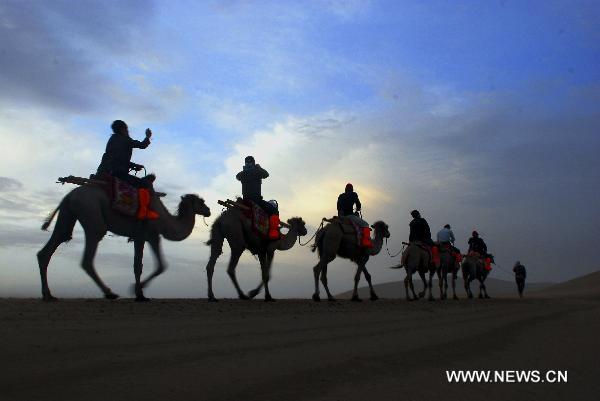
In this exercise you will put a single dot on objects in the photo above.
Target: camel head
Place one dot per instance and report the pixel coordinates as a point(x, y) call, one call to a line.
point(381, 228)
point(197, 204)
point(299, 225)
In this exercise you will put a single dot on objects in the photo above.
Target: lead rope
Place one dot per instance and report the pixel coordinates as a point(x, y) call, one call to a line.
point(314, 235)
point(388, 250)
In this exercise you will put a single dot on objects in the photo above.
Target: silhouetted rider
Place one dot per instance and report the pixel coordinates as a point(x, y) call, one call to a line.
point(251, 178)
point(419, 229)
point(116, 160)
point(476, 244)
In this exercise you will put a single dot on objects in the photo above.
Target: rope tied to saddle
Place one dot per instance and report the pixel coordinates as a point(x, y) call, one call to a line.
point(397, 253)
point(314, 235)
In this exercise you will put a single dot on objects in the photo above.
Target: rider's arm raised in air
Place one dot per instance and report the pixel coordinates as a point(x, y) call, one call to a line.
point(140, 144)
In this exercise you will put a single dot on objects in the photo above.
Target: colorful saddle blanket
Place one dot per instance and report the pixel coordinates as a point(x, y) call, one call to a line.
point(259, 219)
point(124, 197)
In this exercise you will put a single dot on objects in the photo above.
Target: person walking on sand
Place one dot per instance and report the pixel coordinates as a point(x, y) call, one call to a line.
point(520, 275)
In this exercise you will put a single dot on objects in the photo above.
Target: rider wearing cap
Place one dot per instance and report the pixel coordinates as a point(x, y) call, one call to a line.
point(345, 207)
point(251, 178)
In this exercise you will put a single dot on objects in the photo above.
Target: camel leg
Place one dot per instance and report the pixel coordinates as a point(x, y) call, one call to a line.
point(454, 277)
point(161, 266)
point(430, 285)
point(440, 283)
point(267, 275)
point(91, 246)
point(355, 297)
point(409, 284)
point(325, 283)
point(138, 266)
point(61, 233)
point(374, 296)
point(233, 261)
point(216, 249)
point(424, 279)
point(316, 271)
point(262, 259)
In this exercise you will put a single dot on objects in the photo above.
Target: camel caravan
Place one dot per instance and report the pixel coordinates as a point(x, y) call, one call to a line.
point(113, 200)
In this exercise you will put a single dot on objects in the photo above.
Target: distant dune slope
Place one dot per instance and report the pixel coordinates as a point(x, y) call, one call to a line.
point(395, 289)
point(587, 286)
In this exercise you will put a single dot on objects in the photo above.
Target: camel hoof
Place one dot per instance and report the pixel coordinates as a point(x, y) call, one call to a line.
point(487, 296)
point(316, 298)
point(244, 297)
point(111, 295)
point(49, 298)
point(374, 297)
point(480, 296)
point(455, 298)
point(470, 296)
point(141, 298)
point(356, 299)
point(331, 299)
point(253, 293)
point(269, 299)
point(212, 299)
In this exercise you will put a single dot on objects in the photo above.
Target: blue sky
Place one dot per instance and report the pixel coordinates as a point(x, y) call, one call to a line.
point(481, 114)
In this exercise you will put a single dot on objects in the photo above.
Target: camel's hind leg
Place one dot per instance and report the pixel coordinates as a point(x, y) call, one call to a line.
point(91, 245)
point(61, 233)
point(430, 284)
point(265, 259)
point(216, 249)
point(408, 283)
point(316, 272)
point(325, 283)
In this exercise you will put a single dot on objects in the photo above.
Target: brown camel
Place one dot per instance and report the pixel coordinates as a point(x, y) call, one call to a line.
point(418, 260)
point(235, 227)
point(473, 269)
point(90, 205)
point(448, 264)
point(332, 241)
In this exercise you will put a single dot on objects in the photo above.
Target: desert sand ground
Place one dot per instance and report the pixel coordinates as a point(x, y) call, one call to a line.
point(299, 350)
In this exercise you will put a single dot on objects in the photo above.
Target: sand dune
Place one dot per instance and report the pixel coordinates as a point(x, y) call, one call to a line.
point(494, 287)
point(297, 349)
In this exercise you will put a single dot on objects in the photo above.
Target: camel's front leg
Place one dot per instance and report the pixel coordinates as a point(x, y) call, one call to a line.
point(373, 296)
point(262, 260)
point(330, 297)
point(355, 297)
point(138, 266)
point(161, 266)
point(266, 274)
point(454, 277)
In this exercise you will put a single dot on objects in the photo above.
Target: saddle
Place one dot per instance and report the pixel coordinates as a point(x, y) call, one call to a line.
point(124, 197)
point(349, 227)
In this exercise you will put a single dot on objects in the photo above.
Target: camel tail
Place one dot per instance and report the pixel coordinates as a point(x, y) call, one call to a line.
point(50, 217)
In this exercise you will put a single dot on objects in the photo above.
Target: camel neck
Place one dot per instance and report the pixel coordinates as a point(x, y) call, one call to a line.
point(180, 226)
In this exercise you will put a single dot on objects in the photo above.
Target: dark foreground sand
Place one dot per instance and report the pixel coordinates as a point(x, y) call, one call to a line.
point(296, 349)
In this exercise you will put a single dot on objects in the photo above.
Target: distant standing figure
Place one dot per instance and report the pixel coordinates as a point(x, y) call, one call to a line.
point(520, 275)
